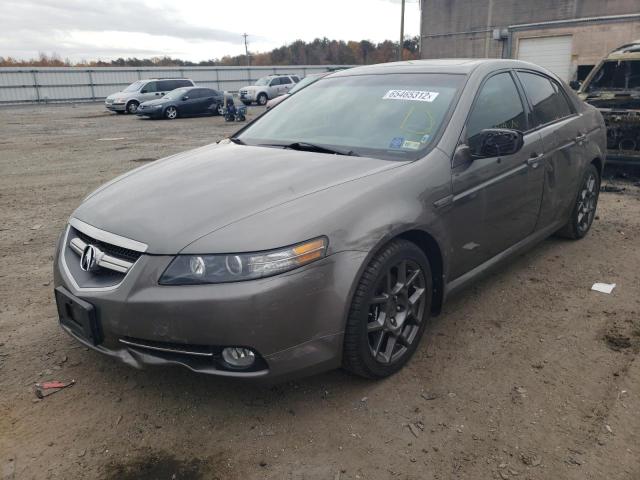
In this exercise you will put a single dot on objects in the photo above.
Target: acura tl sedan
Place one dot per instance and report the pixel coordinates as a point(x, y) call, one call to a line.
point(327, 232)
point(183, 102)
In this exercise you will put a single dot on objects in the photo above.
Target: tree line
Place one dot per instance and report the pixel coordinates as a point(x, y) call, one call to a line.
point(320, 51)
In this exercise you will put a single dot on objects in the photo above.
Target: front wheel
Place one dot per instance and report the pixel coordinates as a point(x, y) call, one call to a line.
point(389, 311)
point(132, 107)
point(584, 210)
point(171, 113)
point(262, 99)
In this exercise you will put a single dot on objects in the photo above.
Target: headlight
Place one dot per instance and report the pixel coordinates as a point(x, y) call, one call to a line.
point(119, 100)
point(199, 269)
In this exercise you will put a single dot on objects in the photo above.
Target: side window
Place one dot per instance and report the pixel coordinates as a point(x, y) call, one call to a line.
point(183, 83)
point(166, 85)
point(151, 87)
point(498, 105)
point(295, 78)
point(196, 93)
point(548, 102)
point(285, 81)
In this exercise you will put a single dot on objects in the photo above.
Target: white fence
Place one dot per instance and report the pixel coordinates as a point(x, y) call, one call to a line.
point(79, 84)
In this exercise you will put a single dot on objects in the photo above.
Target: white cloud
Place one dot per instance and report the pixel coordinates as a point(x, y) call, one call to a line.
point(192, 29)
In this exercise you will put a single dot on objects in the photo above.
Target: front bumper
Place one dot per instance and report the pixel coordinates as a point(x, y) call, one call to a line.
point(294, 321)
point(115, 107)
point(149, 112)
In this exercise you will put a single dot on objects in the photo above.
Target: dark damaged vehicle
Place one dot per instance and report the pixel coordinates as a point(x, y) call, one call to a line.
point(613, 87)
point(328, 231)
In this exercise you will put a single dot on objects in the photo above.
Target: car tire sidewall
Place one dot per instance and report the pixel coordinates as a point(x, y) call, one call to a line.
point(360, 307)
point(262, 99)
point(130, 105)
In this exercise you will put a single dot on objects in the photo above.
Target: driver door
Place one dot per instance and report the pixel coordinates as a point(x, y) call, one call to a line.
point(496, 200)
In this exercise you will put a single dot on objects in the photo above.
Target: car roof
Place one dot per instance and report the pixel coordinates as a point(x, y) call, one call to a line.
point(462, 66)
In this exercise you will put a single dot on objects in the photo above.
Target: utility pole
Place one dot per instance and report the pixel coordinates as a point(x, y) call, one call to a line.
point(246, 49)
point(401, 32)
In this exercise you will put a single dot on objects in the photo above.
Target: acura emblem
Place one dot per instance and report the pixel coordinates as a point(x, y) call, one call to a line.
point(89, 258)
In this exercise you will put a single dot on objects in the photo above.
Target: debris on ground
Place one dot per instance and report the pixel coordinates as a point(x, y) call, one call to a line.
point(49, 388)
point(530, 459)
point(612, 189)
point(603, 287)
point(617, 342)
point(429, 396)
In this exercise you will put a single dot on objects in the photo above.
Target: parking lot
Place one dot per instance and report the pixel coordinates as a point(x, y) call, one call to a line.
point(526, 375)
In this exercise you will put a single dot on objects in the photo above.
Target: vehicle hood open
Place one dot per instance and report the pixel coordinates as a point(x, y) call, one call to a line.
point(174, 201)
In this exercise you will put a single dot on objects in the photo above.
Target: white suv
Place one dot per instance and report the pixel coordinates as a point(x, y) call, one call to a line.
point(267, 88)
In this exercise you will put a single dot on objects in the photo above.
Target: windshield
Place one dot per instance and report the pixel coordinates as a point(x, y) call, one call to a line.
point(263, 81)
point(394, 116)
point(134, 87)
point(616, 75)
point(175, 94)
point(304, 82)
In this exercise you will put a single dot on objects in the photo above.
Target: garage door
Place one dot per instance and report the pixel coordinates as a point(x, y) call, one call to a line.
point(552, 53)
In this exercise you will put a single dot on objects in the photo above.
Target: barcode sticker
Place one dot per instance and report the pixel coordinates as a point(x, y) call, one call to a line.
point(413, 95)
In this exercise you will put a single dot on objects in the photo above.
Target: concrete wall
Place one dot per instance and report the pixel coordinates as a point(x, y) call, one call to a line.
point(464, 28)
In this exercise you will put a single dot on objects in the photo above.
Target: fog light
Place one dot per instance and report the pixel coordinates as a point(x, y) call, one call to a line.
point(238, 357)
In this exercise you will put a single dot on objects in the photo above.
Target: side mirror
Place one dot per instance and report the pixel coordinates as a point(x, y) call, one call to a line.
point(575, 84)
point(144, 90)
point(494, 142)
point(186, 97)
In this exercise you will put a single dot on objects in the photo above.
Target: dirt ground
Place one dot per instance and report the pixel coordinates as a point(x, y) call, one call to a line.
point(526, 375)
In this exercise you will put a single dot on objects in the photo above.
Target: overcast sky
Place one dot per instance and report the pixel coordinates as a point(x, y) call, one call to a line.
point(190, 29)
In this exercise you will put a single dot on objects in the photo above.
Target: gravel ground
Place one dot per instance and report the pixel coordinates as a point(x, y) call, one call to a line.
point(526, 375)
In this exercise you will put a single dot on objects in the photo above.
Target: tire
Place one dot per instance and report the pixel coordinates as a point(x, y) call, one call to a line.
point(171, 113)
point(584, 210)
point(220, 109)
point(132, 107)
point(262, 99)
point(383, 315)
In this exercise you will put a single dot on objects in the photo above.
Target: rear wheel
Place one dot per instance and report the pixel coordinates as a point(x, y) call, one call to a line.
point(262, 99)
point(389, 311)
point(171, 113)
point(584, 210)
point(132, 107)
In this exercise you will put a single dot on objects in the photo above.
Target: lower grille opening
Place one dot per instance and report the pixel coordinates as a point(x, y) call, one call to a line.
point(193, 355)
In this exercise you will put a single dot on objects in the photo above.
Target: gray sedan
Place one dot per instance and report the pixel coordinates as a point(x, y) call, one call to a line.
point(327, 232)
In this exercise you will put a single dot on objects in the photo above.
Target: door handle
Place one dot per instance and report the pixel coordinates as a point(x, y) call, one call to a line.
point(582, 138)
point(534, 160)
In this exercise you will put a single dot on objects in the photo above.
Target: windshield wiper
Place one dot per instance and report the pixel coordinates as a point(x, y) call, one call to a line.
point(237, 141)
point(310, 147)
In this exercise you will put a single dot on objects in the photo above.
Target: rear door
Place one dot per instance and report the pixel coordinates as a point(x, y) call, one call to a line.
point(206, 99)
point(496, 200)
point(285, 85)
point(564, 134)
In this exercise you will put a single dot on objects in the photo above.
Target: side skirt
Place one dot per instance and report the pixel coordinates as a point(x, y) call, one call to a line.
point(464, 280)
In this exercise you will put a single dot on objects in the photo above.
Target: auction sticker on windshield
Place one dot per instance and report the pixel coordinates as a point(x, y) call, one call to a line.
point(414, 95)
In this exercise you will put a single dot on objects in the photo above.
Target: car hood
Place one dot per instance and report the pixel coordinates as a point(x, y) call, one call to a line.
point(618, 99)
point(253, 88)
point(175, 201)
